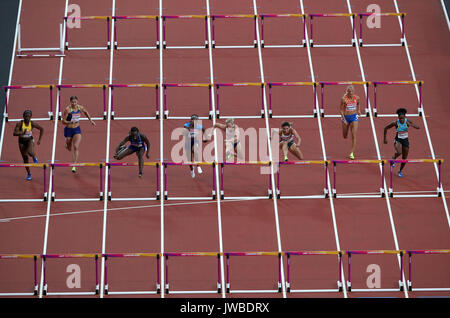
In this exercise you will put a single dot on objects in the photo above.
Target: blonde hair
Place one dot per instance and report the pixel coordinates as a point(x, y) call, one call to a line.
point(229, 120)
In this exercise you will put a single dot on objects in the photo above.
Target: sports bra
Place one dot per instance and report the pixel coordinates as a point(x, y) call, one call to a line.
point(27, 129)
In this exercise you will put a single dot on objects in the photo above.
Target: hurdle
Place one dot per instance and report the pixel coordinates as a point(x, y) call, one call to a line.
point(386, 14)
point(281, 84)
point(359, 195)
point(439, 189)
point(233, 16)
point(34, 257)
point(213, 192)
point(135, 164)
point(155, 86)
point(46, 257)
point(135, 17)
point(247, 163)
point(169, 17)
point(375, 252)
point(322, 93)
point(328, 15)
point(102, 86)
point(166, 110)
point(107, 256)
point(378, 83)
point(17, 87)
point(302, 43)
point(87, 18)
point(306, 253)
point(219, 85)
point(423, 252)
point(30, 165)
point(228, 284)
point(325, 194)
point(68, 165)
point(192, 254)
point(21, 49)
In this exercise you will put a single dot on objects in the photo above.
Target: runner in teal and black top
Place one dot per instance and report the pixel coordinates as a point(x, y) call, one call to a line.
point(139, 144)
point(401, 140)
point(192, 130)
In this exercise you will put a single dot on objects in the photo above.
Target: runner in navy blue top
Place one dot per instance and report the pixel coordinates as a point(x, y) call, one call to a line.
point(401, 140)
point(139, 144)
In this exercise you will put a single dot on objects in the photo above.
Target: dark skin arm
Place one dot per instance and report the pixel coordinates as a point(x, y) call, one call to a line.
point(123, 142)
point(147, 142)
point(41, 131)
point(410, 123)
point(391, 125)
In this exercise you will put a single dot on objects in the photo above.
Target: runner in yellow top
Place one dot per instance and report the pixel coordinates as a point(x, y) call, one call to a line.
point(24, 130)
point(350, 111)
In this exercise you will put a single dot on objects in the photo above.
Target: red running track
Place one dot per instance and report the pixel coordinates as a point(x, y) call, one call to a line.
point(228, 225)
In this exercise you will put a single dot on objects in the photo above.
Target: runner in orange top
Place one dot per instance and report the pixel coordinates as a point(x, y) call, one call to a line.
point(350, 111)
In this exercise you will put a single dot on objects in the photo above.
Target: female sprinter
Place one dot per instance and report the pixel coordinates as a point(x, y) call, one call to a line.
point(139, 144)
point(232, 139)
point(401, 141)
point(191, 143)
point(72, 131)
point(24, 130)
point(350, 111)
point(287, 134)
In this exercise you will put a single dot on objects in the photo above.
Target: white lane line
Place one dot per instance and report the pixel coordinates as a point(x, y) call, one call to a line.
point(161, 147)
point(13, 54)
point(374, 134)
point(271, 159)
point(50, 183)
point(108, 141)
point(444, 8)
point(218, 189)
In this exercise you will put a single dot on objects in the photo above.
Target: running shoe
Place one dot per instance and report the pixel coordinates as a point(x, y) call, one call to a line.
point(400, 174)
point(35, 160)
point(286, 158)
point(192, 173)
point(74, 169)
point(199, 169)
point(352, 156)
point(29, 177)
point(140, 175)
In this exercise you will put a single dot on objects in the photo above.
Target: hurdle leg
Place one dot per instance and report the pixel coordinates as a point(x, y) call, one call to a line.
point(288, 274)
point(410, 273)
point(262, 31)
point(311, 43)
point(228, 273)
point(35, 276)
point(44, 269)
point(157, 101)
point(5, 113)
point(164, 32)
point(219, 280)
point(96, 275)
point(217, 101)
point(108, 34)
point(106, 275)
point(157, 32)
point(115, 34)
point(349, 284)
point(167, 274)
point(50, 114)
point(158, 274)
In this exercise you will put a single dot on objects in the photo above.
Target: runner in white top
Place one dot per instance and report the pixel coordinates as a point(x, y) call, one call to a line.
point(287, 142)
point(232, 139)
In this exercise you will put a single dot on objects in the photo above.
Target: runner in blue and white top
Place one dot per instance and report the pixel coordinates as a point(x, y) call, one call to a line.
point(192, 131)
point(139, 144)
point(72, 132)
point(401, 140)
